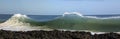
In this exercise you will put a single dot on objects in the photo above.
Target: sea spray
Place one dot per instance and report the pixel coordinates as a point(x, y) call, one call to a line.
point(19, 22)
point(69, 21)
point(76, 21)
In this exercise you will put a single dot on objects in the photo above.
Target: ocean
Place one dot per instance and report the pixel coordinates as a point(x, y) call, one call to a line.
point(67, 21)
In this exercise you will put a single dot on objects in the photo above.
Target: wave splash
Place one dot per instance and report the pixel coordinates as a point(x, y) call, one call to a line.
point(20, 22)
point(17, 20)
point(73, 13)
point(94, 17)
point(69, 21)
point(77, 21)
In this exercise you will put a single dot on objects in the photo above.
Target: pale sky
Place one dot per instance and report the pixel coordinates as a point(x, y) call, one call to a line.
point(58, 7)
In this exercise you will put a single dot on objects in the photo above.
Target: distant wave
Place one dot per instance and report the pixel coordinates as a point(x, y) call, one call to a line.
point(69, 21)
point(80, 15)
point(73, 13)
point(77, 21)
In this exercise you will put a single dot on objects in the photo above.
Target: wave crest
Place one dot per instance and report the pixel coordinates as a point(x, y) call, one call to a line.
point(72, 21)
point(19, 22)
point(79, 15)
point(72, 13)
point(16, 20)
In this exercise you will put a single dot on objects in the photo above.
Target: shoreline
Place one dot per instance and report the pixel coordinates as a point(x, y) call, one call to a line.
point(55, 34)
point(64, 30)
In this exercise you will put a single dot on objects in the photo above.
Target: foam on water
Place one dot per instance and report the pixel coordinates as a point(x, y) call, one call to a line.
point(76, 21)
point(72, 13)
point(16, 20)
point(18, 23)
point(94, 17)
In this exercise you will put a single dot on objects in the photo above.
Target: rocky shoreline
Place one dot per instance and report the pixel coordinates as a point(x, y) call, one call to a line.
point(55, 34)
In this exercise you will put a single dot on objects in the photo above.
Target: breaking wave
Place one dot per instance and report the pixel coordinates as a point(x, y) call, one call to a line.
point(77, 21)
point(21, 22)
point(80, 15)
point(69, 21)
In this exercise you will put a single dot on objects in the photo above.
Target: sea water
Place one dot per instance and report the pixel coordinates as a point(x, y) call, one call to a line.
point(68, 21)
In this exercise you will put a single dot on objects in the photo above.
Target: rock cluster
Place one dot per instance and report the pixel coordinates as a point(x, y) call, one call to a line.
point(55, 35)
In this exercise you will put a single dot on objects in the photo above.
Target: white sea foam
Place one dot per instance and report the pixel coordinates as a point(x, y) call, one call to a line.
point(14, 23)
point(72, 13)
point(94, 17)
point(17, 23)
point(19, 15)
point(16, 20)
point(92, 33)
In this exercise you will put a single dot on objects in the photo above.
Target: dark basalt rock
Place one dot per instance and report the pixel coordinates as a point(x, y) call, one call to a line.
point(55, 35)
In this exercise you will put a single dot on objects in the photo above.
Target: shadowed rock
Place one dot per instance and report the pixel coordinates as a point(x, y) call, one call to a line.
point(55, 34)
